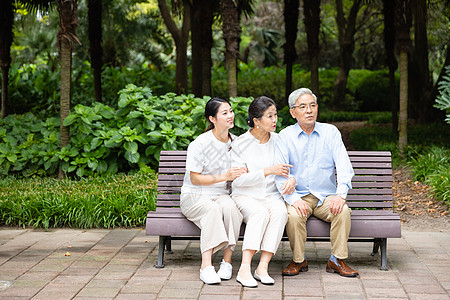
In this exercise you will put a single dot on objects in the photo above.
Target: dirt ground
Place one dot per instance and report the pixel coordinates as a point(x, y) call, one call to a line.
point(413, 200)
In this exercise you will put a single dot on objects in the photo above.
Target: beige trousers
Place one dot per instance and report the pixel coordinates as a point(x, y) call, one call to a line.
point(265, 221)
point(217, 217)
point(339, 231)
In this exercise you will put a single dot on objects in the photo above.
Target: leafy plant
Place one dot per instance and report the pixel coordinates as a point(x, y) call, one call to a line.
point(443, 100)
point(105, 140)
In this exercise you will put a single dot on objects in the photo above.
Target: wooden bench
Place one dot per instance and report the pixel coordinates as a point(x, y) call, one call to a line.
point(373, 219)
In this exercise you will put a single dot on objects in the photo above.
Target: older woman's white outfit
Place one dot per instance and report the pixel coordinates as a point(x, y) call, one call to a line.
point(210, 207)
point(256, 195)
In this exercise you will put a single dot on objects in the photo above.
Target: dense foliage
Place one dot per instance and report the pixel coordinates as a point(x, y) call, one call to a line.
point(428, 153)
point(443, 100)
point(101, 202)
point(106, 140)
point(35, 88)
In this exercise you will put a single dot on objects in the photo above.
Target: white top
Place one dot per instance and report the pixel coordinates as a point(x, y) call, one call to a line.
point(208, 156)
point(247, 151)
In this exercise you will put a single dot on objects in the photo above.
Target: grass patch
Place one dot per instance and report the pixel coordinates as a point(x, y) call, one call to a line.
point(96, 202)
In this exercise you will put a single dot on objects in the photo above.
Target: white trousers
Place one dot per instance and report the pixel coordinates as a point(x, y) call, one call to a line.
point(265, 221)
point(217, 217)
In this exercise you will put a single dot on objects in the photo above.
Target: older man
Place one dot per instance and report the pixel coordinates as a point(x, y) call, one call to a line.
point(315, 149)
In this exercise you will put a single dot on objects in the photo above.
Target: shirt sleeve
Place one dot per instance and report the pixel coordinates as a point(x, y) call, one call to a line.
point(238, 160)
point(195, 159)
point(344, 167)
point(281, 156)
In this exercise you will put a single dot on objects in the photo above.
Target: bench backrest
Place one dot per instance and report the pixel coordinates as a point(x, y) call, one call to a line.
point(372, 183)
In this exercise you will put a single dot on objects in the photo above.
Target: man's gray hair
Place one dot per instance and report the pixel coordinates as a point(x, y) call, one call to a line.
point(293, 97)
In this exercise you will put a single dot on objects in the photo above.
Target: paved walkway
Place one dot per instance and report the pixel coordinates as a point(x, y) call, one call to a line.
point(118, 264)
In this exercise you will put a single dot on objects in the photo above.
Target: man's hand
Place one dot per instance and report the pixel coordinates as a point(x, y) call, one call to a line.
point(336, 204)
point(301, 207)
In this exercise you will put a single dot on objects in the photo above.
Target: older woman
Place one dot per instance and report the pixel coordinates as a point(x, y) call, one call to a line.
point(255, 192)
point(205, 198)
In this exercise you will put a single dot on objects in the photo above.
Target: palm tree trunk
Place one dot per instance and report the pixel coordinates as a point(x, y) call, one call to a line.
point(231, 34)
point(6, 39)
point(68, 22)
point(66, 87)
point(403, 116)
point(311, 10)
point(404, 46)
point(95, 47)
point(290, 54)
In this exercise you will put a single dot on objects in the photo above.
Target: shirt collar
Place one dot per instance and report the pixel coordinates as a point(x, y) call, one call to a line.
point(299, 130)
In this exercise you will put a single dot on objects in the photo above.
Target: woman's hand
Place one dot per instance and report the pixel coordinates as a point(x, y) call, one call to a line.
point(279, 169)
point(289, 186)
point(234, 173)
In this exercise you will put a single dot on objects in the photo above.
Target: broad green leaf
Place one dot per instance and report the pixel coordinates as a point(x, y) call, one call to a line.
point(131, 146)
point(132, 157)
point(70, 119)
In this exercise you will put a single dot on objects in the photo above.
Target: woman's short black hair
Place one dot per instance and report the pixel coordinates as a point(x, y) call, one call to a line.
point(211, 109)
point(257, 109)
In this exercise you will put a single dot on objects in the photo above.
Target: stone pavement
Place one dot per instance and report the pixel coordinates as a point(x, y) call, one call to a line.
point(118, 264)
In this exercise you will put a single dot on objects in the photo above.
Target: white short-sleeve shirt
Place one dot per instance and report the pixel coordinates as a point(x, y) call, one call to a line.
point(208, 156)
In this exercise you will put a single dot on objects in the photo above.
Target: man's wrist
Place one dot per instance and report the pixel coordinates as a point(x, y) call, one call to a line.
point(343, 196)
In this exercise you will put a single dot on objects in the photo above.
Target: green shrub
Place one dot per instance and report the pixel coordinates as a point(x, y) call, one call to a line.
point(443, 100)
point(429, 162)
point(420, 138)
point(105, 140)
point(440, 184)
point(100, 202)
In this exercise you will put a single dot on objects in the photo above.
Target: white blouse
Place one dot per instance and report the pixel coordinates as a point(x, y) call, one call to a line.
point(248, 152)
point(208, 156)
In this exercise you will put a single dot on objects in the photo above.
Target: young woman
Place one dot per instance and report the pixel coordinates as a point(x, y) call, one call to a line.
point(205, 198)
point(255, 192)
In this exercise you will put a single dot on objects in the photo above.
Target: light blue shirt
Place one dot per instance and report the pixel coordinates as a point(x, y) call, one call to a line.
point(314, 158)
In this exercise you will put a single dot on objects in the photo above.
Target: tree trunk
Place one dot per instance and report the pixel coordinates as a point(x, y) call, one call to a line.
point(403, 117)
point(95, 47)
point(231, 34)
point(6, 39)
point(290, 54)
point(391, 62)
point(66, 36)
point(180, 36)
point(404, 46)
point(421, 86)
point(66, 88)
point(207, 19)
point(311, 10)
point(196, 40)
point(347, 29)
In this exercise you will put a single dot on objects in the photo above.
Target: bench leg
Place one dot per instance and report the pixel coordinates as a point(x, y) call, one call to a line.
point(383, 247)
point(161, 246)
point(376, 246)
point(168, 245)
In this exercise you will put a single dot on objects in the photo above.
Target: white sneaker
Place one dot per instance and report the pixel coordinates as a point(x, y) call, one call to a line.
point(225, 270)
point(209, 276)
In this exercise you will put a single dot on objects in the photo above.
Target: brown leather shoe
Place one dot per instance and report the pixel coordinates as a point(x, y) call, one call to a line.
point(342, 268)
point(294, 268)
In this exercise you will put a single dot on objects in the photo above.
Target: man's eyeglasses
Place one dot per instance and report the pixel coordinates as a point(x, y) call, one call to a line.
point(303, 107)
